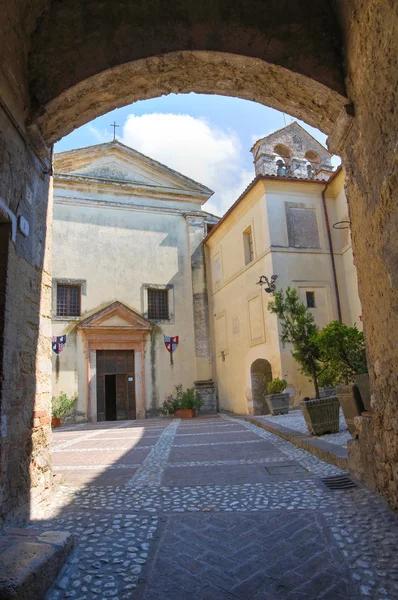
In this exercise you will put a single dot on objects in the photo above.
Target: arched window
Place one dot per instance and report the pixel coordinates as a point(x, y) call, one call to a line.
point(312, 157)
point(284, 152)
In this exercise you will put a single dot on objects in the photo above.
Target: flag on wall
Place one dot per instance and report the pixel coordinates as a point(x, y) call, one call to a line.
point(58, 343)
point(171, 343)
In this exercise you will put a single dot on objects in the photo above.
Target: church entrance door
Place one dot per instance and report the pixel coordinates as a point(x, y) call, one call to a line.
point(115, 385)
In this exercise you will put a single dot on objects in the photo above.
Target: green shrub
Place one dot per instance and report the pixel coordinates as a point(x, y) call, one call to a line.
point(342, 348)
point(276, 386)
point(182, 399)
point(62, 404)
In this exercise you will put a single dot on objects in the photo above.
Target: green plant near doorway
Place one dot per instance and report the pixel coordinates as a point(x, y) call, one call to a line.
point(276, 386)
point(182, 399)
point(62, 404)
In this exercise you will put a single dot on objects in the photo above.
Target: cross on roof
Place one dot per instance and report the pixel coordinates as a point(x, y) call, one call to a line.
point(114, 129)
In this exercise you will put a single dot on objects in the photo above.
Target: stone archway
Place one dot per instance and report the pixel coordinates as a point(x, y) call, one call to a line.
point(260, 375)
point(65, 62)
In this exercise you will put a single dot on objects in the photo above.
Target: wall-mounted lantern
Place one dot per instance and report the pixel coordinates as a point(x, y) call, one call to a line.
point(270, 289)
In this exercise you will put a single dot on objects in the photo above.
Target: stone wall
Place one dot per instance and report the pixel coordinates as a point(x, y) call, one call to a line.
point(369, 152)
point(26, 475)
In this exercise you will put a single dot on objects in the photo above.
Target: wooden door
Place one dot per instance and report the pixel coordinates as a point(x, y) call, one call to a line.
point(121, 364)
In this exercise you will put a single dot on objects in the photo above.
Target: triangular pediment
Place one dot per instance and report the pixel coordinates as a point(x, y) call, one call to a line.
point(115, 316)
point(117, 163)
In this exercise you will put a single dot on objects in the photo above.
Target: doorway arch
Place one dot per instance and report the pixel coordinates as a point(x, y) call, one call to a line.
point(66, 62)
point(260, 375)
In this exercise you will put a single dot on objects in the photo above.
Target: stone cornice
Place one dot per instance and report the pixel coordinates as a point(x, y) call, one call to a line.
point(118, 187)
point(129, 206)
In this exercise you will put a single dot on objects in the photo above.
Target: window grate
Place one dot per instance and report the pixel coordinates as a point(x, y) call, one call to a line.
point(68, 300)
point(158, 304)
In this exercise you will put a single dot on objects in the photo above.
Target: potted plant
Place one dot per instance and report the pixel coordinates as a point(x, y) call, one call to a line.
point(343, 348)
point(183, 404)
point(60, 406)
point(277, 401)
point(298, 328)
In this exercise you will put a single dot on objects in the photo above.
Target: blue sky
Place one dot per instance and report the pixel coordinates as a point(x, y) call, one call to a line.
point(207, 138)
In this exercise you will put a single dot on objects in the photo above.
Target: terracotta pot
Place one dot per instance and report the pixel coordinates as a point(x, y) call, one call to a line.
point(321, 415)
point(55, 422)
point(351, 405)
point(362, 382)
point(185, 413)
point(278, 404)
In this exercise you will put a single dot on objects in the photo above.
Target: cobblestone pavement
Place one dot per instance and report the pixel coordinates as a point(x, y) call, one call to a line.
point(295, 420)
point(214, 508)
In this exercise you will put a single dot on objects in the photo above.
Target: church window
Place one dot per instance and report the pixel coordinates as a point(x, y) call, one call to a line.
point(310, 296)
point(68, 300)
point(248, 245)
point(158, 304)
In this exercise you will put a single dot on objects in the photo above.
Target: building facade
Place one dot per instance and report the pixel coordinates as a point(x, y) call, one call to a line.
point(128, 270)
point(292, 221)
point(137, 262)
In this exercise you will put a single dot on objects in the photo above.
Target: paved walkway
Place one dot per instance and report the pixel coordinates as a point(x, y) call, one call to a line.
point(295, 420)
point(214, 508)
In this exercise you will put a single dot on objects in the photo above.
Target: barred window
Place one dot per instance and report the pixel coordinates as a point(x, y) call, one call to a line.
point(158, 304)
point(68, 300)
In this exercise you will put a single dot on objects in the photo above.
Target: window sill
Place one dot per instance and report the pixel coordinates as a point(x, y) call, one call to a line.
point(57, 318)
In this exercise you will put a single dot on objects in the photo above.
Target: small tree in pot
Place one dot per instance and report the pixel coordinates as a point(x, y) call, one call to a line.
point(343, 349)
point(277, 401)
point(298, 328)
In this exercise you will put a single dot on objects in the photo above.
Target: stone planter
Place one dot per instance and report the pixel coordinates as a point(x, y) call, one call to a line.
point(363, 384)
point(55, 422)
point(351, 405)
point(326, 392)
point(185, 413)
point(321, 415)
point(278, 404)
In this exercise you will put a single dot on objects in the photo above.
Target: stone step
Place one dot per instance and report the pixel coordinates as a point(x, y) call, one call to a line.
point(30, 560)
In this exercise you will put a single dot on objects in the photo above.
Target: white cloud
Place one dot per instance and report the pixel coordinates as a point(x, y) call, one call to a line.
point(194, 148)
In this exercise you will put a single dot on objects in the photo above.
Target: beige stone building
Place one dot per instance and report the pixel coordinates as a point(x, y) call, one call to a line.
point(128, 269)
point(283, 224)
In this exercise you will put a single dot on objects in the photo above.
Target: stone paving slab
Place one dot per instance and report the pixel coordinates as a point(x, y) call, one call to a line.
point(228, 475)
point(123, 518)
point(223, 451)
point(239, 436)
point(278, 556)
point(78, 456)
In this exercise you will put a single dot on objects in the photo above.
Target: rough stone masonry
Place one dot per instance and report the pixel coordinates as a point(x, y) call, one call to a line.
point(332, 64)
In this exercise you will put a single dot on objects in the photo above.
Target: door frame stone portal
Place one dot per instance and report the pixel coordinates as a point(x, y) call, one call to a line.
point(115, 327)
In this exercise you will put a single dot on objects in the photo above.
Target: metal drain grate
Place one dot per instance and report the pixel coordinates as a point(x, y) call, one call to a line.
point(339, 482)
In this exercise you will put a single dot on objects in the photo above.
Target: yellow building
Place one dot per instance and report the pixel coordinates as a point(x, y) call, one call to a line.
point(282, 224)
point(128, 270)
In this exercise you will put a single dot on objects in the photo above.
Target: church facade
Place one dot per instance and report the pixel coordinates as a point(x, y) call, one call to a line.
point(128, 283)
point(151, 291)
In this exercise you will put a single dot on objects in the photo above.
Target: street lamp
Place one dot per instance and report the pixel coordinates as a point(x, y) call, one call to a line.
point(270, 289)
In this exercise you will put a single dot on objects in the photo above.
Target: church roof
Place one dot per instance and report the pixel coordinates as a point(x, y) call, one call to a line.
point(115, 162)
